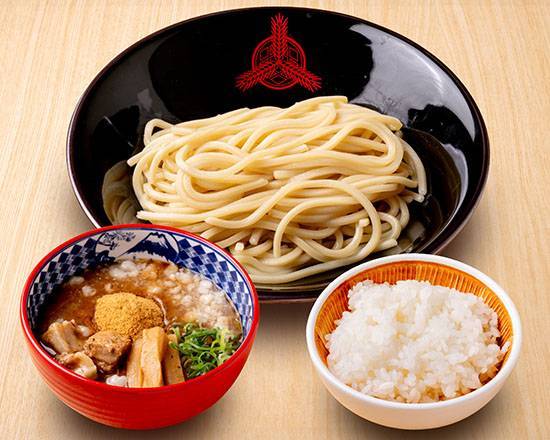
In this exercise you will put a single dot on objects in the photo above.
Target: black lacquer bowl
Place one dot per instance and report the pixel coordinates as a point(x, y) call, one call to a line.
point(191, 70)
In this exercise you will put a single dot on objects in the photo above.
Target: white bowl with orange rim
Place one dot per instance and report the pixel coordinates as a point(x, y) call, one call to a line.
point(436, 270)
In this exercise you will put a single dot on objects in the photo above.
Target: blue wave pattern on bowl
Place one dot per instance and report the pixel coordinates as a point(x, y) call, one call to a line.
point(157, 244)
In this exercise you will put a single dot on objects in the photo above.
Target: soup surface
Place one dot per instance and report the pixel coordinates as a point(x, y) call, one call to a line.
point(105, 323)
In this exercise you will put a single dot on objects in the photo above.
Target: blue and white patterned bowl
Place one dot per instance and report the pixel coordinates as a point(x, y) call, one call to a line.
point(151, 407)
point(105, 245)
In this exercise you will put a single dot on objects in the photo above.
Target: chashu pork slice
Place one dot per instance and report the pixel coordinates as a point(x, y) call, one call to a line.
point(66, 336)
point(79, 363)
point(107, 348)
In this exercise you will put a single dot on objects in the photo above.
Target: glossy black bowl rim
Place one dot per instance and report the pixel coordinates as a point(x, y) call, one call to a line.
point(449, 230)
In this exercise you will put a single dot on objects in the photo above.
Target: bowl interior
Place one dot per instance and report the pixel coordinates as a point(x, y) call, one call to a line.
point(435, 273)
point(104, 246)
point(189, 71)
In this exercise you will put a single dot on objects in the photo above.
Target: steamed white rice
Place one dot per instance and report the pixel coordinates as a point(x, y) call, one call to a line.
point(414, 342)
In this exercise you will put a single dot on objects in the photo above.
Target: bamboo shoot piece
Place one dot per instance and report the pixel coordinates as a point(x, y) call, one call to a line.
point(133, 366)
point(171, 364)
point(152, 351)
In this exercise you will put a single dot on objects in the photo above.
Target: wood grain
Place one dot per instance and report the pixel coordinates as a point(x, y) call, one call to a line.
point(500, 49)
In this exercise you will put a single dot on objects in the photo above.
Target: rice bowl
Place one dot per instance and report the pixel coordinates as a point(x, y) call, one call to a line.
point(414, 342)
point(332, 303)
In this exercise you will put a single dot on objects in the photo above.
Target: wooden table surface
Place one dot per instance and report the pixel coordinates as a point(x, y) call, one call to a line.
point(50, 51)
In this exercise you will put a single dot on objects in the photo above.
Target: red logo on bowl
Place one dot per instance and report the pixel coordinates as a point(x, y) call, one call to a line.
point(278, 62)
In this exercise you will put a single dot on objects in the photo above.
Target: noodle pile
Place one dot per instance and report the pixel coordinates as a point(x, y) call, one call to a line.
point(289, 192)
point(118, 197)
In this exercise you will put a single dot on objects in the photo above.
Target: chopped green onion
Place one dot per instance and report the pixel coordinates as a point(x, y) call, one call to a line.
point(203, 349)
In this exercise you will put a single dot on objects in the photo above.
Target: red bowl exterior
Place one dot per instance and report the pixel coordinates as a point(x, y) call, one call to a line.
point(135, 408)
point(139, 409)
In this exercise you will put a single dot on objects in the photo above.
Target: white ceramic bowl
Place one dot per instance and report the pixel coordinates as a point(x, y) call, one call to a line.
point(437, 270)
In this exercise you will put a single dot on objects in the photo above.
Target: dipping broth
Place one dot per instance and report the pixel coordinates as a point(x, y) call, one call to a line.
point(140, 323)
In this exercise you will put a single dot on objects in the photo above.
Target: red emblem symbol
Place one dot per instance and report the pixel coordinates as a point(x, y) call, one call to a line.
point(278, 62)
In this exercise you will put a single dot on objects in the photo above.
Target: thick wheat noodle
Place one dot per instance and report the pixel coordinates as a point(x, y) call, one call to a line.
point(256, 236)
point(290, 192)
point(118, 199)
